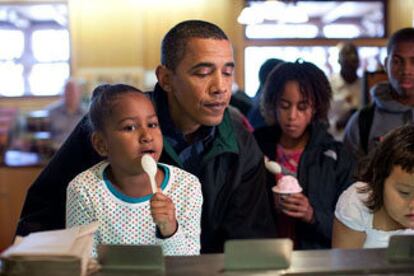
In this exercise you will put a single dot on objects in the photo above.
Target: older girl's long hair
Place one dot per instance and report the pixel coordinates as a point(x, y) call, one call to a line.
point(313, 83)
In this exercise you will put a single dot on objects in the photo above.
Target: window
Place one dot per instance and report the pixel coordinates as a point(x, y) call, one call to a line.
point(310, 30)
point(314, 19)
point(325, 57)
point(35, 51)
point(12, 83)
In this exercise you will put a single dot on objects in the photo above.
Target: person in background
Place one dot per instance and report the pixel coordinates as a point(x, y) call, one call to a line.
point(255, 116)
point(201, 136)
point(381, 203)
point(117, 193)
point(240, 104)
point(240, 100)
point(295, 104)
point(66, 113)
point(346, 89)
point(393, 101)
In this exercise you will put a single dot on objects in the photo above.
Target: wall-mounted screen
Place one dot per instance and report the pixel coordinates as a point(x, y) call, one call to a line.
point(314, 19)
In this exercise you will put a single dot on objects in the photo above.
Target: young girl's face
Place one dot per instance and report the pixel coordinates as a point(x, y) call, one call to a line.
point(399, 197)
point(294, 112)
point(131, 131)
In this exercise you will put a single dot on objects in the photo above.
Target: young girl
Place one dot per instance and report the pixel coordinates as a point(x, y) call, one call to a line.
point(382, 203)
point(295, 104)
point(117, 192)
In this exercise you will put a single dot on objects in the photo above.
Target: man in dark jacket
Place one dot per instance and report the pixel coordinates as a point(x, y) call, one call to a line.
point(200, 136)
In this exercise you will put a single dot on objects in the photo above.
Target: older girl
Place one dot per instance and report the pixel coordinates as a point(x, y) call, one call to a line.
point(295, 103)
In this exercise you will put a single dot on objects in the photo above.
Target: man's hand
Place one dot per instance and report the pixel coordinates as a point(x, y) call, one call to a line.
point(163, 214)
point(298, 206)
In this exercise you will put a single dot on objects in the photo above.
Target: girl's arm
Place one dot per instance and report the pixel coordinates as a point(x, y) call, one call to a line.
point(78, 210)
point(186, 239)
point(324, 217)
point(345, 237)
point(191, 223)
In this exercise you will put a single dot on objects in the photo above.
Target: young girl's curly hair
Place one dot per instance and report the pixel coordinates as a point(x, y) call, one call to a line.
point(397, 149)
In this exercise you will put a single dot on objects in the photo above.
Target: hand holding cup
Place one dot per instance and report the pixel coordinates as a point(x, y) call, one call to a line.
point(286, 186)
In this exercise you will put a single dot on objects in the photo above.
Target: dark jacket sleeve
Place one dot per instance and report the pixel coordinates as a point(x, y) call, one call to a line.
point(44, 207)
point(324, 210)
point(249, 214)
point(344, 173)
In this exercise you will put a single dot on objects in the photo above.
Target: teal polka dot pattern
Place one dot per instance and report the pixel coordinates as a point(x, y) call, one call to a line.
point(89, 199)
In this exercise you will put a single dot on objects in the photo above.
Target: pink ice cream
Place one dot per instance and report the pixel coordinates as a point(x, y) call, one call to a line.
point(287, 185)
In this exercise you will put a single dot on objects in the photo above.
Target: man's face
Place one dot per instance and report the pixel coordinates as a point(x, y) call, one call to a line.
point(349, 59)
point(400, 68)
point(199, 89)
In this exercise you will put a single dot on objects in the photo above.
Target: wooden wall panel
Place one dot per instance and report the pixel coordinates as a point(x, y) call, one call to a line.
point(14, 183)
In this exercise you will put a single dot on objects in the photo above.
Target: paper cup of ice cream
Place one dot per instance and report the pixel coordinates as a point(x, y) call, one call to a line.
point(286, 186)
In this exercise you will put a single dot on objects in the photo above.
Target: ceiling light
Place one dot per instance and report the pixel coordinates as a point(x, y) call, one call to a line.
point(341, 31)
point(294, 14)
point(272, 10)
point(250, 16)
point(281, 31)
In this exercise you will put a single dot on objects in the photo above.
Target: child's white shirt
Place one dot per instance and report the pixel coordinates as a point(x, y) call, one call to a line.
point(90, 198)
point(352, 212)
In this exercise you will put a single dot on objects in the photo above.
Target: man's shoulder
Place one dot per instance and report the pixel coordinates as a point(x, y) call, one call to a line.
point(336, 81)
point(353, 121)
point(246, 142)
point(362, 119)
point(238, 121)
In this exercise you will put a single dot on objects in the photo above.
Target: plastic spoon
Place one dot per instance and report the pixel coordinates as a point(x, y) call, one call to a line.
point(150, 167)
point(273, 167)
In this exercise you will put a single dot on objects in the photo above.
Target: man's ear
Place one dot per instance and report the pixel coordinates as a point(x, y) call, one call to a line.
point(164, 77)
point(99, 144)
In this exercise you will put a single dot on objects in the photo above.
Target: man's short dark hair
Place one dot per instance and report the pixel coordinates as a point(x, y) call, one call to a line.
point(403, 35)
point(175, 41)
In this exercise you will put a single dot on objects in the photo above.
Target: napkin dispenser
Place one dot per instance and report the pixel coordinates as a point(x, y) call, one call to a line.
point(261, 254)
point(147, 259)
point(401, 249)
